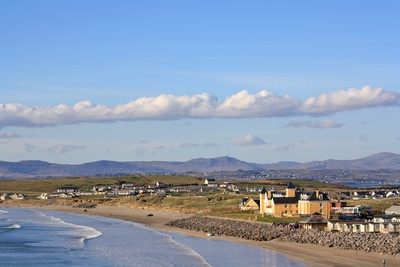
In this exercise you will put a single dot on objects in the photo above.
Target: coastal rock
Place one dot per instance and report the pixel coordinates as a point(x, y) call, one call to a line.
point(369, 242)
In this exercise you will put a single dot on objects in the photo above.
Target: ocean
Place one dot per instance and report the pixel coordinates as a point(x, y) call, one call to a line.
point(33, 237)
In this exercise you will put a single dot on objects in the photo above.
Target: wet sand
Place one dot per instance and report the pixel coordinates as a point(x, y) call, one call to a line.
point(312, 255)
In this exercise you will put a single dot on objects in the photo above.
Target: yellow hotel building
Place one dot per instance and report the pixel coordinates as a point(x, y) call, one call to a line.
point(294, 203)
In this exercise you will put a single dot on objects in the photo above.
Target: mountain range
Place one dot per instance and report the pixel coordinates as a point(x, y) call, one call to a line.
point(41, 169)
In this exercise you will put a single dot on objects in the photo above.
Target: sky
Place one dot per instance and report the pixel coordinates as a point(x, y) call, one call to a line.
point(263, 81)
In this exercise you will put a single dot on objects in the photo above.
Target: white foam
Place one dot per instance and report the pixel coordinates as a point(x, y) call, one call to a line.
point(12, 226)
point(186, 249)
point(82, 232)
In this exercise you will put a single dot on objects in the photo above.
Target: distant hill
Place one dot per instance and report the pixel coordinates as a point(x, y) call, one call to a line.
point(40, 169)
point(383, 160)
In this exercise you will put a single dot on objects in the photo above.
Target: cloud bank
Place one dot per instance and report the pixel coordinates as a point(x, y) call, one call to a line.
point(263, 104)
point(326, 124)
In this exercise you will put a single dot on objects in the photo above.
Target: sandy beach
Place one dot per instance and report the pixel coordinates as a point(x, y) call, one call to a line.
point(311, 255)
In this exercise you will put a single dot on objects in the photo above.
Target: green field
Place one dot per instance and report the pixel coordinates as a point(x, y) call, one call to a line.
point(215, 204)
point(36, 187)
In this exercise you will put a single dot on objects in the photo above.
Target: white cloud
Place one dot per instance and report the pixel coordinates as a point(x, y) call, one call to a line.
point(249, 140)
point(351, 99)
point(326, 124)
point(263, 104)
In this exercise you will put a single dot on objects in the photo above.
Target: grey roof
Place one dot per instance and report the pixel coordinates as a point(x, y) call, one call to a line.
point(387, 216)
point(263, 190)
point(315, 219)
point(290, 186)
point(393, 209)
point(246, 199)
point(284, 200)
point(313, 196)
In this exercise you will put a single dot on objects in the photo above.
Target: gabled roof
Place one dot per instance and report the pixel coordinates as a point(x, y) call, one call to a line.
point(263, 190)
point(313, 197)
point(290, 186)
point(246, 200)
point(393, 209)
point(315, 219)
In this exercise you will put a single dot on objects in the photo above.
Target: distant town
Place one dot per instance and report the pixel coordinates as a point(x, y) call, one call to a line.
point(353, 178)
point(312, 209)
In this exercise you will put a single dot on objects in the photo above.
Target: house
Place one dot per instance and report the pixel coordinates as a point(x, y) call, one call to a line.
point(279, 204)
point(395, 209)
point(342, 208)
point(293, 202)
point(285, 207)
point(68, 189)
point(381, 224)
point(354, 226)
point(127, 186)
point(18, 197)
point(210, 182)
point(315, 202)
point(43, 196)
point(4, 196)
point(360, 227)
point(66, 195)
point(386, 218)
point(160, 184)
point(392, 193)
point(249, 204)
point(315, 221)
point(339, 226)
point(48, 196)
point(389, 227)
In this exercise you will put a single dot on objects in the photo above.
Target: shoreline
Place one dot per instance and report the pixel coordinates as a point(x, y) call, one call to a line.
point(312, 255)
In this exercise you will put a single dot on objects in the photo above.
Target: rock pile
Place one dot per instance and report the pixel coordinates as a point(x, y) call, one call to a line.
point(368, 242)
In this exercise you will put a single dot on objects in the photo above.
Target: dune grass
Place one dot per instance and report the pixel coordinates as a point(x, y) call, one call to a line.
point(36, 187)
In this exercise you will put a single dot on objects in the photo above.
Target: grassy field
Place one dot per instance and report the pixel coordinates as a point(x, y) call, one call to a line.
point(378, 205)
point(214, 204)
point(36, 187)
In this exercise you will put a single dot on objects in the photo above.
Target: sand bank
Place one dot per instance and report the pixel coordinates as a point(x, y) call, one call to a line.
point(312, 255)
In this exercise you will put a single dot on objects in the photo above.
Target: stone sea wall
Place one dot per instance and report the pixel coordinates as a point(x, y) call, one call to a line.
point(368, 242)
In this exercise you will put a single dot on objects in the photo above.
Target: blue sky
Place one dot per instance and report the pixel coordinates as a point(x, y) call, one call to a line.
point(262, 81)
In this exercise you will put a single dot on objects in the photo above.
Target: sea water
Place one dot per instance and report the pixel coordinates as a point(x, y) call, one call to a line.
point(32, 237)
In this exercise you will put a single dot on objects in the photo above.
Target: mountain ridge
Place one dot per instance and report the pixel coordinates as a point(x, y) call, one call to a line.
point(40, 169)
